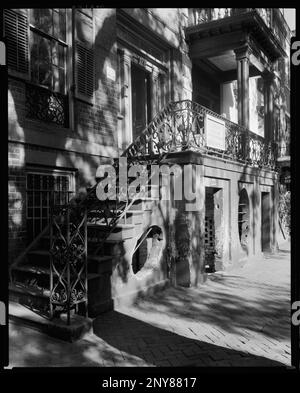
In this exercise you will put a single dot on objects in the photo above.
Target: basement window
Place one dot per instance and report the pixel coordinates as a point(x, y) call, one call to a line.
point(42, 190)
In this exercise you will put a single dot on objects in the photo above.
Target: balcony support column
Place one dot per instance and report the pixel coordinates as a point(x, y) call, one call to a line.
point(125, 98)
point(268, 105)
point(242, 58)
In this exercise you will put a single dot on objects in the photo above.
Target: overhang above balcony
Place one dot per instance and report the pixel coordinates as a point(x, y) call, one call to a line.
point(209, 39)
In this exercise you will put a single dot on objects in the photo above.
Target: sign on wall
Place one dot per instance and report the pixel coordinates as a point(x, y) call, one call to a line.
point(215, 132)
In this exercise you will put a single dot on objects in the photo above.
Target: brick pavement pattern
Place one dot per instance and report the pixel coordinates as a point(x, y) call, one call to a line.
point(237, 318)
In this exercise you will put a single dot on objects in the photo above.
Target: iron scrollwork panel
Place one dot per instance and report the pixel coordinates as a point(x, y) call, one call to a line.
point(68, 259)
point(45, 105)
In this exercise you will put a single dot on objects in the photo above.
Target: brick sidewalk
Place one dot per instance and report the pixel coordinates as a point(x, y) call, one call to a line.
point(238, 318)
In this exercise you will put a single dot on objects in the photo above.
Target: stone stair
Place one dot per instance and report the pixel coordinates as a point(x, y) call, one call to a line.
point(30, 287)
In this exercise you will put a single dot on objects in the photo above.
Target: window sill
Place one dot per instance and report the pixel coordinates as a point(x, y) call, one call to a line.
point(45, 126)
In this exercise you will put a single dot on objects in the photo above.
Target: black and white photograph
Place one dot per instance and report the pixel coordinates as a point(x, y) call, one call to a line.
point(149, 189)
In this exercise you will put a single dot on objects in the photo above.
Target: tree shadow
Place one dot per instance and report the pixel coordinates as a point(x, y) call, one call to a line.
point(233, 304)
point(164, 348)
point(121, 340)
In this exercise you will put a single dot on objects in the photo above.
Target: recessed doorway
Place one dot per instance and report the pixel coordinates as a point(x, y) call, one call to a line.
point(141, 100)
point(265, 221)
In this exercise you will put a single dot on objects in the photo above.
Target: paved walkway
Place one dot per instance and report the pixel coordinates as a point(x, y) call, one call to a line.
point(239, 318)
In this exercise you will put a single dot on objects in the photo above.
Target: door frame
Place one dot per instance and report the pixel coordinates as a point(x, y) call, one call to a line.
point(149, 96)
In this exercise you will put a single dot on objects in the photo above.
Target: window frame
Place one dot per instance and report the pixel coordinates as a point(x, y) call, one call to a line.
point(50, 38)
point(45, 171)
point(69, 63)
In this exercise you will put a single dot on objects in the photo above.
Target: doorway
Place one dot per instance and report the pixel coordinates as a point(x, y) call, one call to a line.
point(213, 236)
point(265, 221)
point(141, 100)
point(244, 219)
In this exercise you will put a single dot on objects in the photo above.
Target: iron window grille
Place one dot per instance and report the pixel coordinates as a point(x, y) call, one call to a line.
point(42, 191)
point(46, 97)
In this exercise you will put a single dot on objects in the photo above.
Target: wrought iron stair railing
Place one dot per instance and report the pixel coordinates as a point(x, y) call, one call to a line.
point(68, 235)
point(180, 126)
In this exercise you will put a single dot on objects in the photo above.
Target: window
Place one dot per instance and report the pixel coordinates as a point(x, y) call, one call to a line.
point(46, 98)
point(48, 48)
point(37, 51)
point(43, 190)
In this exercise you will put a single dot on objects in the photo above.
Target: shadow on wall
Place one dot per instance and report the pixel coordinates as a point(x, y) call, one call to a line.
point(97, 123)
point(103, 114)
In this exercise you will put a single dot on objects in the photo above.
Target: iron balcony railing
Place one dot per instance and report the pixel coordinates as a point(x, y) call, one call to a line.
point(186, 125)
point(180, 126)
point(272, 17)
point(46, 105)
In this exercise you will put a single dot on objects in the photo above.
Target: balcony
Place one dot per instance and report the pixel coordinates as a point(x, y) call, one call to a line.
point(264, 29)
point(202, 15)
point(186, 125)
point(45, 105)
point(272, 18)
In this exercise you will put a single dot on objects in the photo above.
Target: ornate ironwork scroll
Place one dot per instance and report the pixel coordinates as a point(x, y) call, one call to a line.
point(68, 259)
point(45, 105)
point(178, 127)
point(181, 126)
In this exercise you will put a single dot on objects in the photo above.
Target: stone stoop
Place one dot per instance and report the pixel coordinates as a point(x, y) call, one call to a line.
point(57, 327)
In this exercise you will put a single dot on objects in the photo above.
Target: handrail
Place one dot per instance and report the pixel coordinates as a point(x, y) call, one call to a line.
point(20, 257)
point(68, 243)
point(179, 126)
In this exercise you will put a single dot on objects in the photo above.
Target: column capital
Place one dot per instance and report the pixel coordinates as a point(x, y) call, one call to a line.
point(155, 73)
point(268, 76)
point(243, 52)
point(125, 55)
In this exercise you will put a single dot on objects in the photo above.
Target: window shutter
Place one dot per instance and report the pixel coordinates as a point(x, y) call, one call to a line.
point(16, 33)
point(84, 56)
point(85, 70)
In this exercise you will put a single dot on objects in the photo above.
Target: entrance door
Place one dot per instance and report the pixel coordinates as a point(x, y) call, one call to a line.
point(141, 105)
point(214, 230)
point(265, 221)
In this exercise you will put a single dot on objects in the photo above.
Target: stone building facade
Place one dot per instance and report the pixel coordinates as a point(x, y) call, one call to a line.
point(85, 84)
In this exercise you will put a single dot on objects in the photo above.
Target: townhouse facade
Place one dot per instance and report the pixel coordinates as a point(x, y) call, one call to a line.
point(203, 89)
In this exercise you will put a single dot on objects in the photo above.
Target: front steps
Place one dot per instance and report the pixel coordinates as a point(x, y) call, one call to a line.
point(30, 289)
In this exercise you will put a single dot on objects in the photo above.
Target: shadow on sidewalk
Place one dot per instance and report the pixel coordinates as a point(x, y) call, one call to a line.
point(135, 338)
point(231, 304)
point(124, 341)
